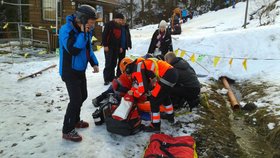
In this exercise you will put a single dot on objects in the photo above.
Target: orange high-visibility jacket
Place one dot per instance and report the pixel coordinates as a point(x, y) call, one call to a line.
point(147, 75)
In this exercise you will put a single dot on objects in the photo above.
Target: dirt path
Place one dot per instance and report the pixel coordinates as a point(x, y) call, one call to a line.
point(227, 133)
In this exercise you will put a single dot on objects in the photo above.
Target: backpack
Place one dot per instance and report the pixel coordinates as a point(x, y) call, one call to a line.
point(106, 109)
point(165, 146)
point(129, 126)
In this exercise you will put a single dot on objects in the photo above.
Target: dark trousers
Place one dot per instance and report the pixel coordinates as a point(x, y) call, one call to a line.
point(191, 94)
point(120, 57)
point(111, 58)
point(163, 96)
point(77, 91)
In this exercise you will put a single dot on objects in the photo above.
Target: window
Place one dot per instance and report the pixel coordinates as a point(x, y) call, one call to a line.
point(49, 9)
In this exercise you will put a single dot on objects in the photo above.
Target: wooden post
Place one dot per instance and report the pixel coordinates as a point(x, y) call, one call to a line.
point(36, 73)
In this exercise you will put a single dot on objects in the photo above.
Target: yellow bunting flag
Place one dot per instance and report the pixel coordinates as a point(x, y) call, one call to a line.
point(192, 58)
point(244, 63)
point(26, 55)
point(42, 52)
point(216, 60)
point(28, 28)
point(176, 52)
point(6, 25)
point(98, 47)
point(183, 53)
point(93, 39)
point(133, 57)
point(230, 61)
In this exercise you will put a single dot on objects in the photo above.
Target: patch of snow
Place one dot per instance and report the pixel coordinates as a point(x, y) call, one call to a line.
point(223, 91)
point(242, 104)
point(29, 130)
point(271, 126)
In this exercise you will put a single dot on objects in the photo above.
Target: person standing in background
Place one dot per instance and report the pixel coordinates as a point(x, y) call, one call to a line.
point(111, 40)
point(161, 41)
point(184, 15)
point(125, 44)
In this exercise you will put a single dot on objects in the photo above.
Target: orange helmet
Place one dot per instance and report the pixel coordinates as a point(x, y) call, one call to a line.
point(124, 62)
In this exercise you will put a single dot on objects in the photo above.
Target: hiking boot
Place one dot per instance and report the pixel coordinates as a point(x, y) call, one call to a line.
point(96, 102)
point(81, 124)
point(153, 127)
point(168, 117)
point(72, 136)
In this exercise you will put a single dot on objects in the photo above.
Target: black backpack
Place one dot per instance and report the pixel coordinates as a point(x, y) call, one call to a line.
point(129, 126)
point(105, 109)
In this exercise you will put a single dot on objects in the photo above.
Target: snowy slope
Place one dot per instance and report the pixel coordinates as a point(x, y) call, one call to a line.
point(221, 34)
point(31, 126)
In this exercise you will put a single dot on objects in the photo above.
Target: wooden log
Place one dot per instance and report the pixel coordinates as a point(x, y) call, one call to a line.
point(36, 73)
point(233, 101)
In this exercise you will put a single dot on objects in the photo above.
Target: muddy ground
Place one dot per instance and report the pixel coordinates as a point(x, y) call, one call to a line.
point(236, 134)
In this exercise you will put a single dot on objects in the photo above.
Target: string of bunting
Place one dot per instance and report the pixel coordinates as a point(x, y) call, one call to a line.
point(216, 59)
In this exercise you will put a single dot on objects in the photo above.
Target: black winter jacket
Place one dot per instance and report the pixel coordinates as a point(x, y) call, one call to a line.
point(166, 44)
point(111, 36)
point(187, 75)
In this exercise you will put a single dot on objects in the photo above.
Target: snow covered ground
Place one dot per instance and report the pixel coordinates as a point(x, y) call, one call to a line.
point(30, 126)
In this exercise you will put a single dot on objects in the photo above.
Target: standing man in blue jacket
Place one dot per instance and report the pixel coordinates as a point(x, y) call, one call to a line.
point(75, 53)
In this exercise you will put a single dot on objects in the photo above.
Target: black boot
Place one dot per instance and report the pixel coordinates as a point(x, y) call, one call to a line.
point(194, 103)
point(96, 101)
point(168, 117)
point(153, 127)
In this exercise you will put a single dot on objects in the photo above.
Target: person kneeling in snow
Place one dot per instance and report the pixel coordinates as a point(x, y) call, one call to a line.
point(153, 78)
point(119, 86)
point(187, 86)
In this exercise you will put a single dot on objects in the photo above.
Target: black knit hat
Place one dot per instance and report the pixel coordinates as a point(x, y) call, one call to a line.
point(119, 16)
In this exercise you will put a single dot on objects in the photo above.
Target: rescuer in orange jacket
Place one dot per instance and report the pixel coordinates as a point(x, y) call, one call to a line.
point(119, 86)
point(122, 84)
point(153, 78)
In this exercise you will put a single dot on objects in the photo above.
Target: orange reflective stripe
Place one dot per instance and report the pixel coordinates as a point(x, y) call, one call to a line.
point(155, 117)
point(169, 109)
point(156, 90)
point(140, 86)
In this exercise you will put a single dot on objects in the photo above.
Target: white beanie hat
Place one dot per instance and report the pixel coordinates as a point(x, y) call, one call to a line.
point(162, 24)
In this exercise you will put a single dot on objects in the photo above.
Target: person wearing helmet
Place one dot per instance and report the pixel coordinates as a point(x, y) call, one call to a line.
point(111, 40)
point(123, 63)
point(119, 86)
point(153, 78)
point(75, 53)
